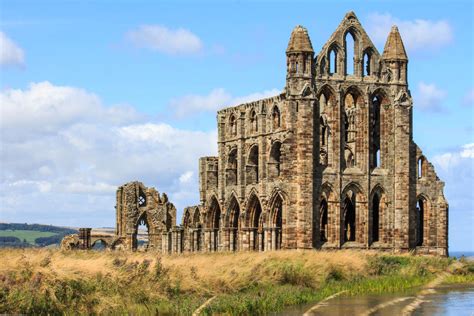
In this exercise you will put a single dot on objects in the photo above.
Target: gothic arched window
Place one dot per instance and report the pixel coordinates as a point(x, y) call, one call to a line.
point(349, 43)
point(253, 121)
point(276, 119)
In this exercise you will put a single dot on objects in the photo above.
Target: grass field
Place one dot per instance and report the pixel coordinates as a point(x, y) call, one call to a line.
point(45, 281)
point(29, 235)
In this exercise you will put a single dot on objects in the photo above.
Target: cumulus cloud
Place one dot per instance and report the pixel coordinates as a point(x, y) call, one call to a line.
point(456, 169)
point(418, 34)
point(64, 153)
point(429, 97)
point(164, 40)
point(10, 53)
point(215, 100)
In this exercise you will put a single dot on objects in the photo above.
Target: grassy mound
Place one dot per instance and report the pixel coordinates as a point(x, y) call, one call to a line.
point(42, 281)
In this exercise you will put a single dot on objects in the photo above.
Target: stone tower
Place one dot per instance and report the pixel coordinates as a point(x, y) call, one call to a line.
point(328, 163)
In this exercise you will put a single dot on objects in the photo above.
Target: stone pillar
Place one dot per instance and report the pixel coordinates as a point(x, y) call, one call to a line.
point(85, 237)
point(305, 175)
point(164, 242)
point(403, 136)
point(273, 241)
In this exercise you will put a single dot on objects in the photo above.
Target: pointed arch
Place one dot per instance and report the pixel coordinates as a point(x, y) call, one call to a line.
point(231, 167)
point(332, 57)
point(213, 224)
point(274, 162)
point(275, 220)
point(195, 235)
point(232, 125)
point(323, 66)
point(352, 131)
point(253, 121)
point(252, 168)
point(233, 223)
point(368, 62)
point(350, 45)
point(143, 222)
point(196, 217)
point(377, 212)
point(422, 213)
point(276, 117)
point(254, 223)
point(324, 224)
point(379, 101)
point(186, 218)
point(352, 199)
point(421, 167)
point(323, 220)
point(327, 100)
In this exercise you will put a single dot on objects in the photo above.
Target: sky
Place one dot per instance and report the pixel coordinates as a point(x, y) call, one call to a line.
point(94, 94)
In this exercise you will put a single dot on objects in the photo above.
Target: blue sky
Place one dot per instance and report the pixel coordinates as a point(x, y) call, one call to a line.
point(95, 94)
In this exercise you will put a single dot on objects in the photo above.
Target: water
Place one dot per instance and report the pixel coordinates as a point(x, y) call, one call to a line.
point(448, 302)
point(457, 301)
point(459, 254)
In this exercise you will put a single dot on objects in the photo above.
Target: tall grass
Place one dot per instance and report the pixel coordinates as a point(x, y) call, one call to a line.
point(38, 281)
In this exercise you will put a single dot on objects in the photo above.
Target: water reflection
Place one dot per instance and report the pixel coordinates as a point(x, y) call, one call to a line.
point(448, 302)
point(445, 301)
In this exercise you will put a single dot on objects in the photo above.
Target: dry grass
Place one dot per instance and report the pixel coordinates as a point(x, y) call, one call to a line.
point(42, 281)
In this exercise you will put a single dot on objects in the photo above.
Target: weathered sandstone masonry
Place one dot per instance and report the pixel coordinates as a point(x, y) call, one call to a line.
point(329, 163)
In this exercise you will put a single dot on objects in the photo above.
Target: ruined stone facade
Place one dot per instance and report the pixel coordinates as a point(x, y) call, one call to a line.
point(329, 163)
point(136, 205)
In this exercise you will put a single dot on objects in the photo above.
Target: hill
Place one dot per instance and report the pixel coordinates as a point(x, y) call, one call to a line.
point(46, 281)
point(17, 235)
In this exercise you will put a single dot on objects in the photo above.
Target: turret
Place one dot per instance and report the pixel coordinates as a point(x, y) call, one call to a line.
point(299, 61)
point(395, 58)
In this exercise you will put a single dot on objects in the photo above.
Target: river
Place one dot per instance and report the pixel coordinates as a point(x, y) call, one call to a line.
point(457, 301)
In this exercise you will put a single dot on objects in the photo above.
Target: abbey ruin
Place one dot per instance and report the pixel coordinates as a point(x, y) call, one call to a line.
point(329, 163)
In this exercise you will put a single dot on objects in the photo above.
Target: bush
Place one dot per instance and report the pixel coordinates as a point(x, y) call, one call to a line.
point(382, 265)
point(295, 274)
point(334, 274)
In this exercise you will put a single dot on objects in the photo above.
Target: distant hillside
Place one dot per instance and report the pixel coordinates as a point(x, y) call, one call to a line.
point(17, 235)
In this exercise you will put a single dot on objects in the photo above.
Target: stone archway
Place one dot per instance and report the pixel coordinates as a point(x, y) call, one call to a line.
point(275, 224)
point(213, 225)
point(99, 244)
point(141, 235)
point(349, 220)
point(422, 222)
point(323, 220)
point(256, 237)
point(233, 225)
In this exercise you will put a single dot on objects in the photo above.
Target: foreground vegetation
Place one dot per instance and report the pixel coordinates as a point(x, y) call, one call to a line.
point(46, 281)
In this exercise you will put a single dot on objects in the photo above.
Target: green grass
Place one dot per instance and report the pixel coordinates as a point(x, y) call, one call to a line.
point(41, 282)
point(28, 235)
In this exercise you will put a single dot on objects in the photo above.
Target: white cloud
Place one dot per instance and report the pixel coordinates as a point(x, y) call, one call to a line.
point(418, 34)
point(215, 100)
point(456, 169)
point(429, 97)
point(64, 153)
point(450, 160)
point(10, 53)
point(164, 40)
point(186, 177)
point(468, 151)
